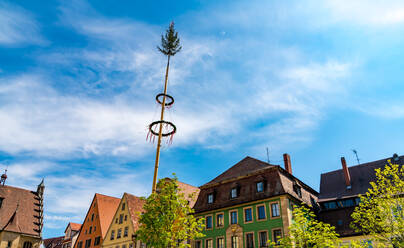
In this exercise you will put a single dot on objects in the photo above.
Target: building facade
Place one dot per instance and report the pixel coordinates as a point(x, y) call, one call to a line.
point(21, 216)
point(97, 221)
point(249, 204)
point(340, 191)
point(71, 234)
point(121, 232)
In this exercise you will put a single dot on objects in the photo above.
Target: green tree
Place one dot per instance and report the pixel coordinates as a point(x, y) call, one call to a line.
point(307, 232)
point(168, 219)
point(380, 212)
point(170, 43)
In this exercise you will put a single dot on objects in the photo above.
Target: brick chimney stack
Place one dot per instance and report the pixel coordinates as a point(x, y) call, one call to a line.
point(288, 164)
point(347, 176)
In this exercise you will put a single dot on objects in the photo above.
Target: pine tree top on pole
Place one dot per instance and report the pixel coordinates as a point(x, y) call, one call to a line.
point(170, 43)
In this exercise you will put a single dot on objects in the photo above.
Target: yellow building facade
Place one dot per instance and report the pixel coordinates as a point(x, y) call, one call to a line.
point(121, 232)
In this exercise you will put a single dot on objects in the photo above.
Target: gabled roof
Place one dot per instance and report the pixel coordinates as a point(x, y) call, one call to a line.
point(73, 226)
point(244, 175)
point(20, 211)
point(135, 206)
point(107, 206)
point(332, 185)
point(246, 166)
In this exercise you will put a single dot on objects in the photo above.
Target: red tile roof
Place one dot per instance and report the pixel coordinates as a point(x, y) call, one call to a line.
point(190, 192)
point(53, 242)
point(246, 166)
point(20, 211)
point(135, 206)
point(75, 226)
point(107, 206)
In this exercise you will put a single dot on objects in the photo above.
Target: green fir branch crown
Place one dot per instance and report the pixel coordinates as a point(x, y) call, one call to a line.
point(170, 43)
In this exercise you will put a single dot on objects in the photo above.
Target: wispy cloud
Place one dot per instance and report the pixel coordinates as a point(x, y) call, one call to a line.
point(369, 13)
point(18, 26)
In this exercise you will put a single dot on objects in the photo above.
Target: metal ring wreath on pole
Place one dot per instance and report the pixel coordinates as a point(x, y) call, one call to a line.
point(167, 124)
point(171, 99)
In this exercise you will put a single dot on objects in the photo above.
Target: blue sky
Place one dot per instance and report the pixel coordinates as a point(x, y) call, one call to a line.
point(78, 80)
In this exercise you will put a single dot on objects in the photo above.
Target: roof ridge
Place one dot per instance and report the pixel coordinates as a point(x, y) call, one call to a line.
point(235, 166)
point(99, 194)
point(187, 184)
point(8, 186)
point(363, 164)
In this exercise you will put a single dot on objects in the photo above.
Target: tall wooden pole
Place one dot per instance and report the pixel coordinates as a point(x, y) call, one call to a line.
point(156, 165)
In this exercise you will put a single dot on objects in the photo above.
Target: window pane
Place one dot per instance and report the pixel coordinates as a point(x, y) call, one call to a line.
point(261, 212)
point(260, 186)
point(277, 234)
point(234, 242)
point(219, 220)
point(263, 239)
point(234, 193)
point(248, 214)
point(210, 198)
point(220, 243)
point(249, 240)
point(233, 217)
point(209, 243)
point(275, 210)
point(208, 222)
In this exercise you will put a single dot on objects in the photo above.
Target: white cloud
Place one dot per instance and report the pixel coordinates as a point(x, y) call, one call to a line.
point(17, 26)
point(374, 13)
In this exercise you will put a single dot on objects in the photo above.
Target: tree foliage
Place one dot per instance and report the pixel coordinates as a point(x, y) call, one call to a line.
point(306, 231)
point(170, 43)
point(381, 210)
point(168, 219)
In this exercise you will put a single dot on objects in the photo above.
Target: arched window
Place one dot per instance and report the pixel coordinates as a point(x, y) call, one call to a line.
point(27, 244)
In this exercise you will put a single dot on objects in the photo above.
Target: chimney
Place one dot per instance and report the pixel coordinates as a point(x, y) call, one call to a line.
point(288, 165)
point(3, 178)
point(347, 176)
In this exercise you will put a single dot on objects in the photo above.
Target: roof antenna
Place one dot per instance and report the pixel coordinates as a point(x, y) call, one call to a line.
point(356, 155)
point(268, 155)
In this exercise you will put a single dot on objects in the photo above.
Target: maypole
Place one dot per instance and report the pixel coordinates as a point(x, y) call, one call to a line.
point(170, 45)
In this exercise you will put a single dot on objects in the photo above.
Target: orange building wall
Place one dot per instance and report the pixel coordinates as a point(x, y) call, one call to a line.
point(102, 210)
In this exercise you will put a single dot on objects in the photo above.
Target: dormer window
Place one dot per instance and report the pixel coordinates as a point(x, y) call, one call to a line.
point(260, 186)
point(297, 189)
point(1, 201)
point(234, 192)
point(210, 198)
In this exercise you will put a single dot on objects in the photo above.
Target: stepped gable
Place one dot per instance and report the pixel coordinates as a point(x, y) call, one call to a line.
point(107, 206)
point(333, 185)
point(20, 211)
point(135, 206)
point(246, 166)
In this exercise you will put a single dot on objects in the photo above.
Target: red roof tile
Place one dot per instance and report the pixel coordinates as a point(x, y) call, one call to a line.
point(20, 211)
point(246, 166)
point(135, 206)
point(53, 242)
point(107, 206)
